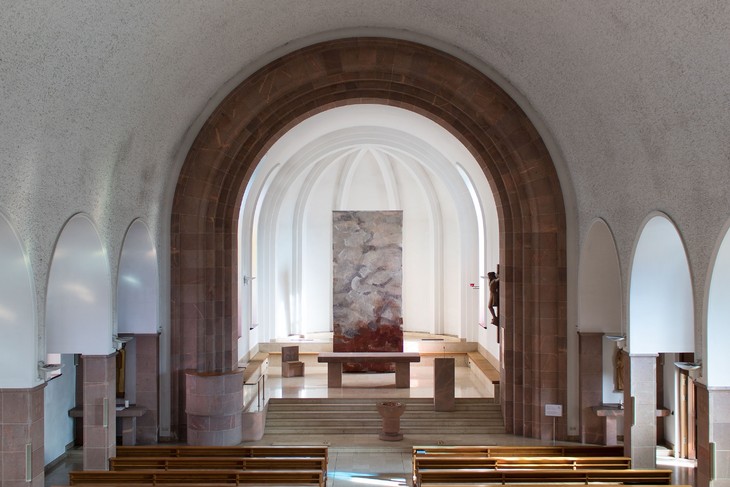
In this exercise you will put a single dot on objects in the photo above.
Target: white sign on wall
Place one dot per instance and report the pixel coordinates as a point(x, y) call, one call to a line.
point(554, 410)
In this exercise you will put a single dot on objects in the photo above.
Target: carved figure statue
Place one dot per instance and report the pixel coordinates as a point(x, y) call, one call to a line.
point(618, 377)
point(493, 297)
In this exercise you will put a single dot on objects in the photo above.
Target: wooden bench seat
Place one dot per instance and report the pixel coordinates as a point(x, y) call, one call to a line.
point(489, 451)
point(491, 476)
point(522, 451)
point(224, 451)
point(219, 463)
point(177, 477)
point(477, 484)
point(512, 463)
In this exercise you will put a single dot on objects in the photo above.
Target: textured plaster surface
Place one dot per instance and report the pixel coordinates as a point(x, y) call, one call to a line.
point(97, 97)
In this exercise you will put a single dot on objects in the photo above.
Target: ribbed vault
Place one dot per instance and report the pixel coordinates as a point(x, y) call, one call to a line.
point(418, 78)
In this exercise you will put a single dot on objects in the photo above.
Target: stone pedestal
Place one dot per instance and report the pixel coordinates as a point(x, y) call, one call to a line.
point(21, 435)
point(100, 414)
point(713, 436)
point(147, 382)
point(590, 374)
point(391, 412)
point(290, 364)
point(444, 384)
point(214, 408)
point(640, 407)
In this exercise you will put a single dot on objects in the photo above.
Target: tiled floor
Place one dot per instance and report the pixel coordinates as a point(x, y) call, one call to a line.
point(364, 460)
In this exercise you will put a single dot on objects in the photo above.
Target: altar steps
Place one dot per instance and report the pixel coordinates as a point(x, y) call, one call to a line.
point(349, 416)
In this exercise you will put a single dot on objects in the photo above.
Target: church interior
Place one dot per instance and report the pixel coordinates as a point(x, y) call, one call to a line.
point(383, 228)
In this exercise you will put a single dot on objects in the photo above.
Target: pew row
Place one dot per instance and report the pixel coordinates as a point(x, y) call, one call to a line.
point(207, 477)
point(428, 477)
point(522, 450)
point(476, 484)
point(506, 463)
point(217, 463)
point(223, 451)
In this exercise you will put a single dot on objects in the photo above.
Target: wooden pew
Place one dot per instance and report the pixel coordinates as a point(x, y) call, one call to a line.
point(208, 477)
point(488, 451)
point(512, 463)
point(522, 450)
point(470, 484)
point(428, 477)
point(218, 463)
point(224, 451)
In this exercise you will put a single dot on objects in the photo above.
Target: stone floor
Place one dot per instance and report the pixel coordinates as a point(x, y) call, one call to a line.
point(357, 460)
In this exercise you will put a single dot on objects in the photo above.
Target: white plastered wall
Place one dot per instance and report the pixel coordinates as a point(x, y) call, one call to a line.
point(78, 304)
point(716, 368)
point(138, 295)
point(18, 326)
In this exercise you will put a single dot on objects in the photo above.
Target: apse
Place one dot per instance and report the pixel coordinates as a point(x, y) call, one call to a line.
point(366, 158)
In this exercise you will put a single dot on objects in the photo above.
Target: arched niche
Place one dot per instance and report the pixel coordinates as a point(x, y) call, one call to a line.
point(717, 363)
point(78, 303)
point(661, 317)
point(500, 136)
point(600, 311)
point(18, 328)
point(599, 282)
point(138, 282)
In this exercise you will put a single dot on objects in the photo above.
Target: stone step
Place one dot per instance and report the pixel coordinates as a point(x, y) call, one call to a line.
point(353, 400)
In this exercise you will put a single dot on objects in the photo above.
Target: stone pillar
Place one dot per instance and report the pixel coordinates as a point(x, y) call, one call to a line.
point(444, 383)
point(21, 424)
point(713, 436)
point(100, 414)
point(147, 381)
point(640, 411)
point(214, 408)
point(590, 370)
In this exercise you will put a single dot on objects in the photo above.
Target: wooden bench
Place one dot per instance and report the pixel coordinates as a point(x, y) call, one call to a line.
point(219, 463)
point(402, 360)
point(225, 451)
point(220, 477)
point(521, 450)
point(477, 484)
point(507, 463)
point(490, 476)
point(487, 451)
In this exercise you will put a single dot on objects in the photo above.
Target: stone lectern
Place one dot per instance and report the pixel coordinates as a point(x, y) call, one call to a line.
point(444, 384)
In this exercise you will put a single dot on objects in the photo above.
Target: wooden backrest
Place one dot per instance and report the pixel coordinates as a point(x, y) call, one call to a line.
point(224, 451)
point(222, 477)
point(521, 451)
point(658, 477)
point(219, 463)
point(454, 461)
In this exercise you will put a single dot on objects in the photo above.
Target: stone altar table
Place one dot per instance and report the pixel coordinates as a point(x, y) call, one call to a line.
point(402, 360)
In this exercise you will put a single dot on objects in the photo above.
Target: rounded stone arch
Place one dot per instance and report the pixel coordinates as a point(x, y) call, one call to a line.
point(415, 77)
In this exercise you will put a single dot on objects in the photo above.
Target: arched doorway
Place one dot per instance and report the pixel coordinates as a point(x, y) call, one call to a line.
point(439, 86)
